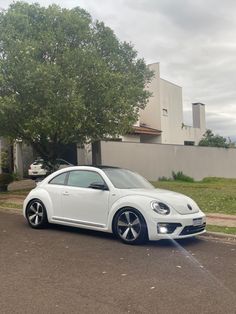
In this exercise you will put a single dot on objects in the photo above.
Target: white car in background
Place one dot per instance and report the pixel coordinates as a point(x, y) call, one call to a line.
point(39, 168)
point(113, 200)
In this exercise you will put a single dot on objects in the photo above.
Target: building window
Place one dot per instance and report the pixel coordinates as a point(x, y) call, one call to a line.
point(165, 112)
point(189, 143)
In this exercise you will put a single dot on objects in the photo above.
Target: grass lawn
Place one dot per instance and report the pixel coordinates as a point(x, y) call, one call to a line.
point(213, 195)
point(10, 204)
point(20, 192)
point(13, 199)
point(17, 192)
point(228, 230)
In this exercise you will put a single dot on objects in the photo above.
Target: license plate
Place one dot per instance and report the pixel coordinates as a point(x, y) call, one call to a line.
point(35, 172)
point(197, 221)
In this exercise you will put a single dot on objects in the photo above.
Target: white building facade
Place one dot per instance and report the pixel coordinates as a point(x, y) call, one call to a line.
point(162, 119)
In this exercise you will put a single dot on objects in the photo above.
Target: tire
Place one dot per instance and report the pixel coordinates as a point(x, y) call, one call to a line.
point(36, 214)
point(130, 226)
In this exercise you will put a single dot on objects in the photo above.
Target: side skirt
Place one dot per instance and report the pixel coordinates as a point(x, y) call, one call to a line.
point(78, 223)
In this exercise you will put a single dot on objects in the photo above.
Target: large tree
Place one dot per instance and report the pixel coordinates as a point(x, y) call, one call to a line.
point(210, 139)
point(65, 78)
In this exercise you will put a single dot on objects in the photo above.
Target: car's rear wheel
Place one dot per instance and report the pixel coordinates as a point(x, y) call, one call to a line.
point(36, 214)
point(130, 227)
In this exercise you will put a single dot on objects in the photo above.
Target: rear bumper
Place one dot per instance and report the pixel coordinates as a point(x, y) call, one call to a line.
point(177, 228)
point(38, 173)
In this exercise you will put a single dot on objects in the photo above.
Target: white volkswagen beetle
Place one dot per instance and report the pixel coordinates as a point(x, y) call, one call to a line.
point(113, 200)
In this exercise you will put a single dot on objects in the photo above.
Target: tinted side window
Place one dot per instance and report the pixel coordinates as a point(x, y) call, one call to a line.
point(83, 178)
point(60, 179)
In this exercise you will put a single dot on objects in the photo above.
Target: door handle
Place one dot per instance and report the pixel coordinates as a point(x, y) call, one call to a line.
point(66, 193)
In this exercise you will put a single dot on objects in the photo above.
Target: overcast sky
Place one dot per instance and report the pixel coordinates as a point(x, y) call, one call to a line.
point(194, 41)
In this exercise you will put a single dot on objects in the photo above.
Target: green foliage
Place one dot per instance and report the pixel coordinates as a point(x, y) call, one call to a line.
point(10, 205)
point(5, 179)
point(65, 78)
point(179, 176)
point(209, 139)
point(164, 179)
point(4, 160)
point(6, 155)
point(15, 176)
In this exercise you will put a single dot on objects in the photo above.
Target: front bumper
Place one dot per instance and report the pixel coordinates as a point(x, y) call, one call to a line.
point(177, 227)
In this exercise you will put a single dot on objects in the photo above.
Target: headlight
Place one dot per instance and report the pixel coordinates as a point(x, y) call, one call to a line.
point(160, 208)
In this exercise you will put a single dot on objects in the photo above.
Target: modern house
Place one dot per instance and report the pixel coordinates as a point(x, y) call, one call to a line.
point(162, 119)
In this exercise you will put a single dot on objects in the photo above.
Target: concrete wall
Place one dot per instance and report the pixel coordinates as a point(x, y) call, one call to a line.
point(131, 138)
point(192, 134)
point(156, 160)
point(84, 155)
point(151, 116)
point(23, 158)
point(171, 113)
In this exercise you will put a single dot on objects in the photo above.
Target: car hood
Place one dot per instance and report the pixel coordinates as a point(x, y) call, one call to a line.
point(181, 203)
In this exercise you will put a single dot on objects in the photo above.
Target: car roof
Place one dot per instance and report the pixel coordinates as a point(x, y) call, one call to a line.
point(100, 166)
point(80, 167)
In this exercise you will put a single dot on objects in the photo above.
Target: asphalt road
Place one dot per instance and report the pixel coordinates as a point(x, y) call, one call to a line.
point(67, 270)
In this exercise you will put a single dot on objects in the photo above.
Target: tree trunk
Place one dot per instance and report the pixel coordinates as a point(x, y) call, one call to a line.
point(96, 153)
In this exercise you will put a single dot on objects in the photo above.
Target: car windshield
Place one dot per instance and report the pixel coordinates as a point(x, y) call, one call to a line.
point(126, 179)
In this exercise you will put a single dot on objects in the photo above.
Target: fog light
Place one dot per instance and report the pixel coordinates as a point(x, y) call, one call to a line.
point(163, 230)
point(167, 228)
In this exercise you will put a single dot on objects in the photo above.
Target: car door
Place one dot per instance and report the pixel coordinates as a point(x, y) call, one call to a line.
point(55, 188)
point(82, 204)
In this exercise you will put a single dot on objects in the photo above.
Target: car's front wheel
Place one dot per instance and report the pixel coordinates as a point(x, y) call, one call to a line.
point(36, 214)
point(130, 227)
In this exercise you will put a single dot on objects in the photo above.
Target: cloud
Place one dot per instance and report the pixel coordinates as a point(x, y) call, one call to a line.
point(223, 123)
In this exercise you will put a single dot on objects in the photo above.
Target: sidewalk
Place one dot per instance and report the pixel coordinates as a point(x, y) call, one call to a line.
point(21, 185)
point(221, 220)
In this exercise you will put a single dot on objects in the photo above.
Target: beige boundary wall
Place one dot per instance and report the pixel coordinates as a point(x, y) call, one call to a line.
point(156, 160)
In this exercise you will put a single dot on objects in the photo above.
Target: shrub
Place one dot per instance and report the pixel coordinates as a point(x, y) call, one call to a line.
point(179, 176)
point(15, 176)
point(5, 179)
point(4, 160)
point(164, 179)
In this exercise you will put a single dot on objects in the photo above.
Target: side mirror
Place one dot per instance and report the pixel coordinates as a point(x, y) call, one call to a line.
point(98, 186)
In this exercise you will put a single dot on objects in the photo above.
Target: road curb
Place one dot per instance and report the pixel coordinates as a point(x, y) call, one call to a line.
point(211, 234)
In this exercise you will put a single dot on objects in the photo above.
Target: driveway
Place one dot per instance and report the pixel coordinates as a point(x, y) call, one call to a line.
point(67, 270)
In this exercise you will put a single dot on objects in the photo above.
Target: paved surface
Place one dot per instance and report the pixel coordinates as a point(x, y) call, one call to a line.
point(67, 270)
point(21, 185)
